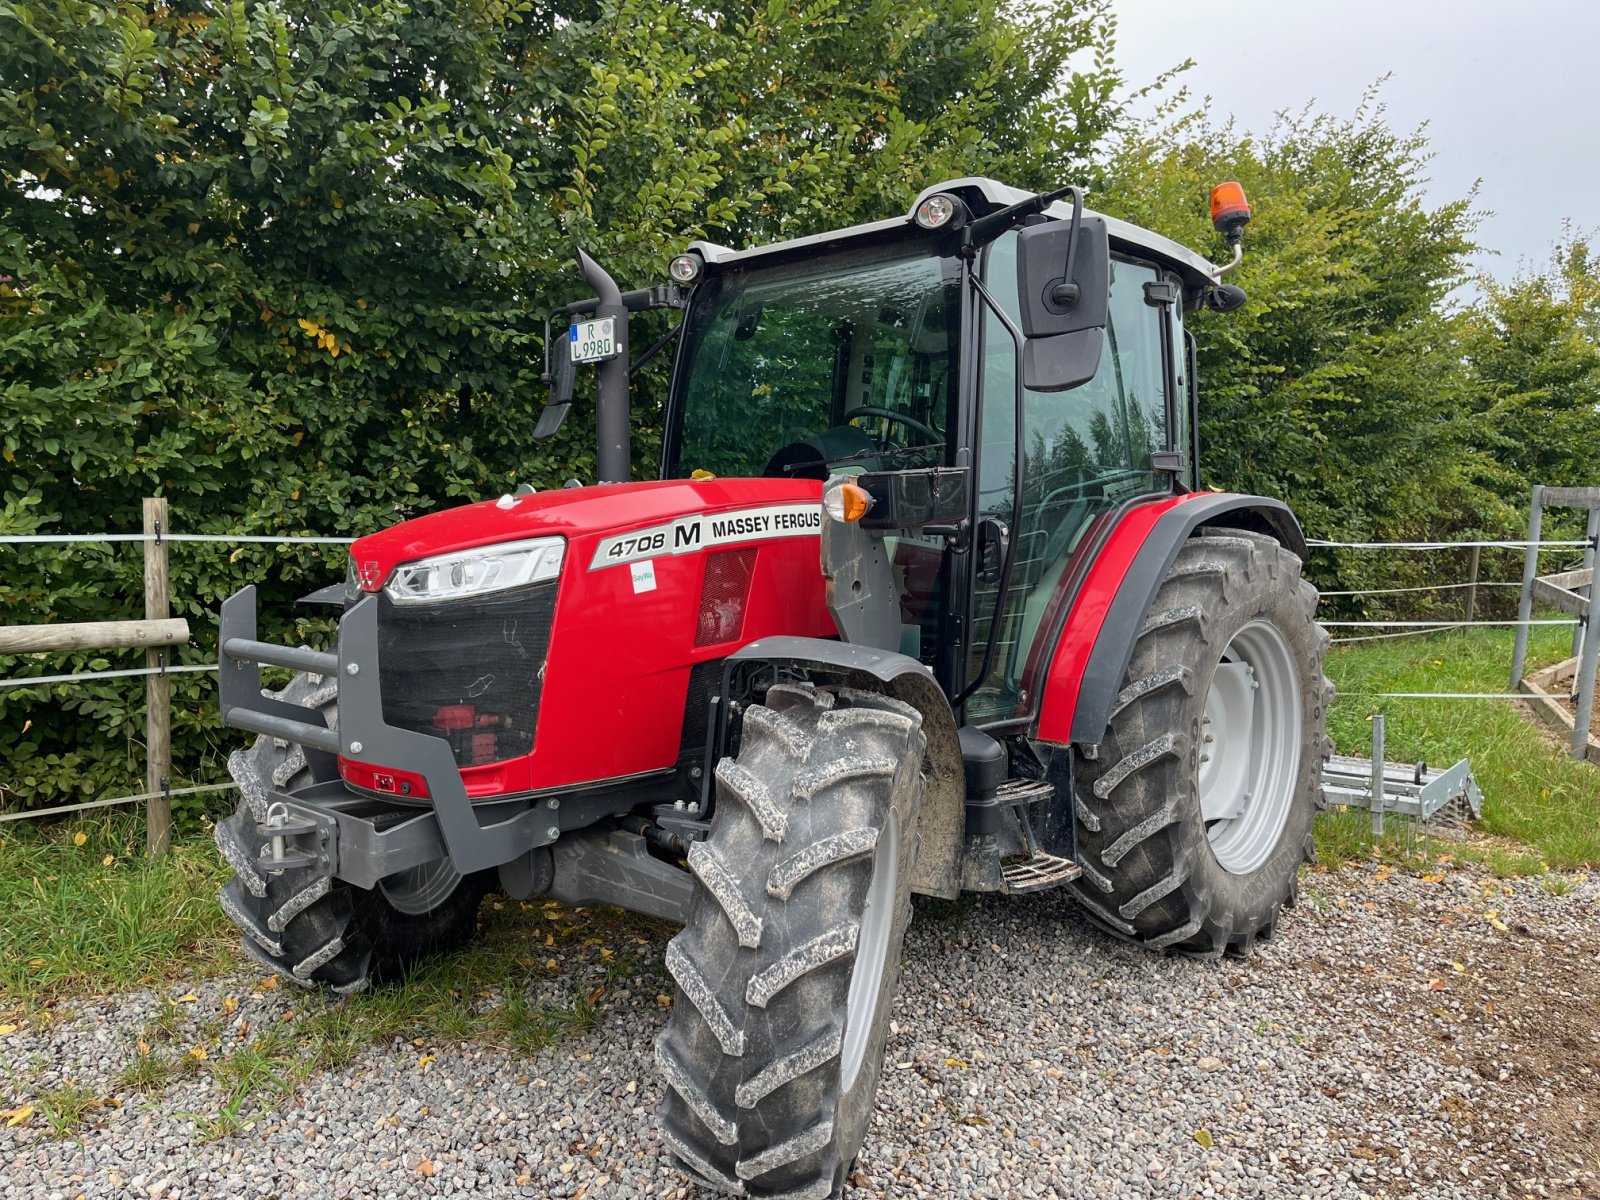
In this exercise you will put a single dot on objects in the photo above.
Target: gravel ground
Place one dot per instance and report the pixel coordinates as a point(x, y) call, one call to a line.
point(1434, 1036)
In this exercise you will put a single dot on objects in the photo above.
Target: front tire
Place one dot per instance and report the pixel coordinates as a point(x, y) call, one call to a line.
point(318, 931)
point(1195, 813)
point(788, 967)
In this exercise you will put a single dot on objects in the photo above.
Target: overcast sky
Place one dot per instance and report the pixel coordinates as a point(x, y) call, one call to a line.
point(1509, 89)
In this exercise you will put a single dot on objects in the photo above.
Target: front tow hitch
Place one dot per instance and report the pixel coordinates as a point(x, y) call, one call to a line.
point(285, 833)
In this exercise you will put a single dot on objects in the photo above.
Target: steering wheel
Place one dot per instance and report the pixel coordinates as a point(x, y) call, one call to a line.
point(932, 435)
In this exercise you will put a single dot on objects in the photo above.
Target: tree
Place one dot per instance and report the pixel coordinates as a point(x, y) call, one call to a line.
point(1533, 347)
point(1340, 387)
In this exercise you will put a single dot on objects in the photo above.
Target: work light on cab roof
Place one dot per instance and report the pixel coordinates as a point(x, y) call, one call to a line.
point(938, 211)
point(685, 268)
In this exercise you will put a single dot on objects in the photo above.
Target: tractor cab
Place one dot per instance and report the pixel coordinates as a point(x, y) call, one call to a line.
point(900, 346)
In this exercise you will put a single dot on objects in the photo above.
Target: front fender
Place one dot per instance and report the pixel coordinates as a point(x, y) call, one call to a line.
point(943, 819)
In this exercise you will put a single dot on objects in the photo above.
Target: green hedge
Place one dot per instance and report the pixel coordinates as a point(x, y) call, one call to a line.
point(286, 263)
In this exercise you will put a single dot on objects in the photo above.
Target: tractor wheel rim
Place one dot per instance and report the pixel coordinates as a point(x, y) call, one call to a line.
point(1250, 748)
point(872, 953)
point(421, 889)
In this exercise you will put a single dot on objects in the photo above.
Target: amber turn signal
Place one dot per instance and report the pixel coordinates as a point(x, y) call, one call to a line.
point(1229, 209)
point(846, 502)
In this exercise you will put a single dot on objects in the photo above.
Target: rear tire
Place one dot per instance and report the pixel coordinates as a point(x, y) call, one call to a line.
point(1196, 813)
point(788, 967)
point(311, 929)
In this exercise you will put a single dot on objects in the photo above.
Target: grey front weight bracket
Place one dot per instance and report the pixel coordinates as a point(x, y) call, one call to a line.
point(364, 735)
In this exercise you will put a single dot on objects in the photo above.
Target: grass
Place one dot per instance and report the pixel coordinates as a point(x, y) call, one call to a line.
point(65, 1108)
point(87, 912)
point(1541, 807)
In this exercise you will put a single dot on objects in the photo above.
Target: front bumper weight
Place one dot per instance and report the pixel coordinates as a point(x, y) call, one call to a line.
point(474, 844)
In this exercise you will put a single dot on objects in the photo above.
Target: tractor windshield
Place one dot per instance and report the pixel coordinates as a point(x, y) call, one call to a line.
point(850, 358)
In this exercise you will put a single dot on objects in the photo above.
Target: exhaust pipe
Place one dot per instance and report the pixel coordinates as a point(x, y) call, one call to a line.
point(613, 462)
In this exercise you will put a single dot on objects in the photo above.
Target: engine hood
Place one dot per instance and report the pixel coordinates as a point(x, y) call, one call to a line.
point(582, 515)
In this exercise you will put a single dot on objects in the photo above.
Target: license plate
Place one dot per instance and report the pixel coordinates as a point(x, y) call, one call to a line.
point(592, 341)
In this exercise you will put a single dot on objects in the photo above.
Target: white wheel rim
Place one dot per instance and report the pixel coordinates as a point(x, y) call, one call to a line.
point(872, 953)
point(421, 889)
point(1250, 748)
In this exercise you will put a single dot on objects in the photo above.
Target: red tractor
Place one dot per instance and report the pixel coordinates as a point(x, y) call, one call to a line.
point(1036, 654)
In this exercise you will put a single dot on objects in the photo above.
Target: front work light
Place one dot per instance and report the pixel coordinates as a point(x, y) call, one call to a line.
point(477, 571)
point(937, 211)
point(685, 268)
point(846, 501)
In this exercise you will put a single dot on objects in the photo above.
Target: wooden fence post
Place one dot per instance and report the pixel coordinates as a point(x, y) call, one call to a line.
point(1472, 583)
point(158, 690)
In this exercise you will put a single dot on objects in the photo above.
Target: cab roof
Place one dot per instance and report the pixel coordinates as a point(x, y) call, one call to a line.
point(983, 196)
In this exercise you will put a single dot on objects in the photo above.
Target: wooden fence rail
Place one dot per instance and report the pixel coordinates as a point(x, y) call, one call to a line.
point(66, 637)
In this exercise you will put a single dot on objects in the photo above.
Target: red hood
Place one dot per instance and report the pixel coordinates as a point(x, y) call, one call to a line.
point(572, 512)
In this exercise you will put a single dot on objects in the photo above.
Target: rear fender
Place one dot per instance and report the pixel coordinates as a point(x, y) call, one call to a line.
point(1090, 661)
point(943, 819)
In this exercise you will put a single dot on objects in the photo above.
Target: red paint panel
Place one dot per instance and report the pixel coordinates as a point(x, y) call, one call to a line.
point(617, 676)
point(1088, 614)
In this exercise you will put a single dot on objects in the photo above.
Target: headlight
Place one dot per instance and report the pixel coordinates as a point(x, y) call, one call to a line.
point(352, 582)
point(474, 572)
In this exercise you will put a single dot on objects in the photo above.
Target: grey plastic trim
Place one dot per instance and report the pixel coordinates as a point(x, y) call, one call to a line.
point(363, 734)
point(1113, 649)
point(359, 852)
point(883, 665)
point(239, 678)
point(615, 867)
point(473, 846)
point(294, 658)
point(333, 595)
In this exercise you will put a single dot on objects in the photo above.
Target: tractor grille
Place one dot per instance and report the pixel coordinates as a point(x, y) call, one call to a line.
point(468, 670)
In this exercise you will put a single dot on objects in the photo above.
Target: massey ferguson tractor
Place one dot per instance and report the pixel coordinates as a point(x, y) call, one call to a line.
point(926, 599)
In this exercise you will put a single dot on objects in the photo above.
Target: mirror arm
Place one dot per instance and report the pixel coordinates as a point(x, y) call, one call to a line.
point(659, 345)
point(1066, 292)
point(1002, 592)
point(984, 230)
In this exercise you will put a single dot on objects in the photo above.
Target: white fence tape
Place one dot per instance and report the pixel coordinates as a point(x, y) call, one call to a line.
point(1316, 544)
point(40, 680)
point(113, 800)
point(282, 539)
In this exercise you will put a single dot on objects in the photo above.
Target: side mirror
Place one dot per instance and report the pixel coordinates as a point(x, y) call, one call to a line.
point(1063, 320)
point(562, 375)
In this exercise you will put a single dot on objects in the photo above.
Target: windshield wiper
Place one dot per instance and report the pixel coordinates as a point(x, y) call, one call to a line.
point(858, 456)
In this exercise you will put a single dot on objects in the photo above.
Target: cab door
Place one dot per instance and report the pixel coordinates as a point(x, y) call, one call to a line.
point(1085, 452)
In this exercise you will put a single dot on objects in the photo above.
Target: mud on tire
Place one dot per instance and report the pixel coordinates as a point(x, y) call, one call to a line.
point(1150, 872)
point(790, 961)
point(305, 926)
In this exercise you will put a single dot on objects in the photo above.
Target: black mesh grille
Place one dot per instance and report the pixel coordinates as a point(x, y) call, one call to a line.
point(704, 681)
point(469, 670)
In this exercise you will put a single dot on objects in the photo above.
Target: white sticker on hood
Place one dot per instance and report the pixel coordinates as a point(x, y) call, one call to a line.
point(689, 534)
point(644, 577)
